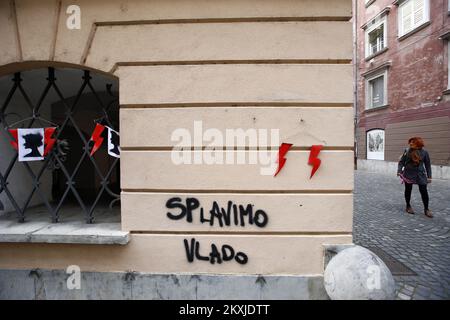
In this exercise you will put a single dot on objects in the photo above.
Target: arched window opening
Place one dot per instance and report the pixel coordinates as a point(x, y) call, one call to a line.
point(59, 145)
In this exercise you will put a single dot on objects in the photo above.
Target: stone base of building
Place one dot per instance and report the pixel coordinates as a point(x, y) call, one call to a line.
point(54, 284)
point(390, 168)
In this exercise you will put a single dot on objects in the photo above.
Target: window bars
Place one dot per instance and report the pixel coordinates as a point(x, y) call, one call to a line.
point(55, 159)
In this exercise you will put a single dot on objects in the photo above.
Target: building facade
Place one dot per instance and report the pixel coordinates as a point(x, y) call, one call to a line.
point(402, 67)
point(196, 229)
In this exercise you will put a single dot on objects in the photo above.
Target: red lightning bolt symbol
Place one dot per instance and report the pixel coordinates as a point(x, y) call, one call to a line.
point(13, 133)
point(313, 160)
point(96, 137)
point(49, 141)
point(284, 148)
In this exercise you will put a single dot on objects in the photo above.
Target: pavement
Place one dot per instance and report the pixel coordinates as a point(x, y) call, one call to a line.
point(420, 243)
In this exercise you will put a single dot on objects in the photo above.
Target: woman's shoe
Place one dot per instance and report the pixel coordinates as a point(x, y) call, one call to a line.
point(428, 213)
point(409, 209)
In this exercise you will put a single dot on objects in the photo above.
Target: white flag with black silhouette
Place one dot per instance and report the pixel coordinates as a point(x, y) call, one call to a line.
point(113, 143)
point(30, 143)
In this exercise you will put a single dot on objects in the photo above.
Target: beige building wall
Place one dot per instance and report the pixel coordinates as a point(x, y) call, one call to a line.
point(282, 64)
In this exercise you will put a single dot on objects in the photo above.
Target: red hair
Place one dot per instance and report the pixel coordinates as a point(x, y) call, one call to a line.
point(416, 144)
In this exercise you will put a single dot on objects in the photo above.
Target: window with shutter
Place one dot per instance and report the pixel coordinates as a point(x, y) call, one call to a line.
point(412, 14)
point(407, 20)
point(419, 12)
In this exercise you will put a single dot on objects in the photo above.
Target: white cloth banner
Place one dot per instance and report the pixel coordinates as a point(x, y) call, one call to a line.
point(113, 143)
point(30, 143)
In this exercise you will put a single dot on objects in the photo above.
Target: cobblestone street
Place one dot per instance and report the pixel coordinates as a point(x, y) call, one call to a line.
point(420, 243)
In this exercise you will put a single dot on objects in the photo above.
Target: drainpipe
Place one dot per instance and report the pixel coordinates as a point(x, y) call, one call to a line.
point(355, 78)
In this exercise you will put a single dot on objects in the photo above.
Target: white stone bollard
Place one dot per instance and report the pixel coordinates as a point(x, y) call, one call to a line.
point(358, 274)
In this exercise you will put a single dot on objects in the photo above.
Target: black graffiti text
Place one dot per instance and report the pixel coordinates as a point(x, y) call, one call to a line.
point(233, 214)
point(224, 254)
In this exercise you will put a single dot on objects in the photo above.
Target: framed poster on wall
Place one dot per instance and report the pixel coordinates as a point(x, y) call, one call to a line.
point(375, 144)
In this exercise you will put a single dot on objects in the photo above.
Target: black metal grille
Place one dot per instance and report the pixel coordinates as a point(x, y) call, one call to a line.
point(55, 160)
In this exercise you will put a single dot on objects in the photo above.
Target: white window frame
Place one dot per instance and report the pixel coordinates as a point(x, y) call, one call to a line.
point(401, 32)
point(380, 155)
point(369, 99)
point(375, 24)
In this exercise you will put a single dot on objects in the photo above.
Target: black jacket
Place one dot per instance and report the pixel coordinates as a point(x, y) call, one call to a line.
point(418, 174)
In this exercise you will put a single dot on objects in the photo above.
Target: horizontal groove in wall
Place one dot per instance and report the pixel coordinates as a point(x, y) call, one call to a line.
point(222, 20)
point(401, 123)
point(209, 62)
point(239, 191)
point(245, 233)
point(257, 61)
point(431, 118)
point(236, 104)
point(410, 132)
point(195, 148)
point(429, 126)
point(438, 127)
point(444, 138)
point(407, 134)
point(443, 119)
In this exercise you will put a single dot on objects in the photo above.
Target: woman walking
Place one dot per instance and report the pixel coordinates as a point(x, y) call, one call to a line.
point(414, 167)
